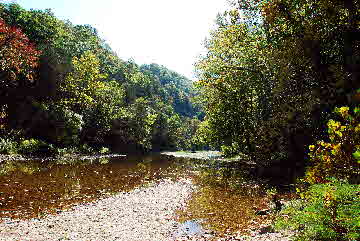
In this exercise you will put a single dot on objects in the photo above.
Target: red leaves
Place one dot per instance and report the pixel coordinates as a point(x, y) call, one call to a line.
point(17, 54)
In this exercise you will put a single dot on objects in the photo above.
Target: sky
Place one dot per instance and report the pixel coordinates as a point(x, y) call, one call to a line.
point(166, 32)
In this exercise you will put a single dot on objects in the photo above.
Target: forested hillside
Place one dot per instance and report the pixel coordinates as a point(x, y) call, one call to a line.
point(64, 89)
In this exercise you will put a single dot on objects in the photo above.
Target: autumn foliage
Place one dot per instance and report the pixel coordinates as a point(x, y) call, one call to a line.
point(18, 56)
point(340, 157)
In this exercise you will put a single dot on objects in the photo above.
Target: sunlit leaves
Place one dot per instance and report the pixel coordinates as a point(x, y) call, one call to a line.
point(233, 74)
point(82, 83)
point(339, 157)
point(40, 26)
point(78, 73)
point(18, 56)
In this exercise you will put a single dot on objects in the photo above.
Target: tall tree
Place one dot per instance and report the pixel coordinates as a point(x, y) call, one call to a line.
point(275, 69)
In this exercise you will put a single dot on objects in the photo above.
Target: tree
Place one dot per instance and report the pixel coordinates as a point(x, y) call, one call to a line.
point(274, 70)
point(233, 76)
point(76, 90)
point(80, 86)
point(173, 88)
point(19, 57)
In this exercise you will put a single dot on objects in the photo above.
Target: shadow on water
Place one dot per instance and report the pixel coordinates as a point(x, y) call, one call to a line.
point(226, 200)
point(229, 198)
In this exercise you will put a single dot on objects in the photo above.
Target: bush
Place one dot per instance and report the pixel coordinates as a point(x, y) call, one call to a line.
point(328, 211)
point(69, 124)
point(31, 146)
point(86, 149)
point(104, 150)
point(8, 146)
point(341, 155)
point(230, 151)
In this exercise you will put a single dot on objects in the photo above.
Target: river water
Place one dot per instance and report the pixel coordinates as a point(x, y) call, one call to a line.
point(225, 201)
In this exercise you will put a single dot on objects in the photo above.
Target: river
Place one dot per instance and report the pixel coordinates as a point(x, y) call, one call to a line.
point(171, 198)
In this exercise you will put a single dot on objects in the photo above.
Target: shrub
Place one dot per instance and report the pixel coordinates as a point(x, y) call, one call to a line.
point(66, 151)
point(69, 124)
point(86, 149)
point(104, 150)
point(31, 146)
point(230, 151)
point(328, 211)
point(340, 157)
point(8, 146)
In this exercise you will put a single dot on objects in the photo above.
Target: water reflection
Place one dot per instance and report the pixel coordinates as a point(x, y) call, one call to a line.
point(191, 228)
point(31, 189)
point(225, 201)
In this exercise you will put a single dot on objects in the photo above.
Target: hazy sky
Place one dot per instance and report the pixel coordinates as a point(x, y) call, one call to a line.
point(167, 32)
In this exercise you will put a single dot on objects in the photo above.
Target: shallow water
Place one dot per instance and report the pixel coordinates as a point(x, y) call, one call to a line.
point(225, 201)
point(31, 189)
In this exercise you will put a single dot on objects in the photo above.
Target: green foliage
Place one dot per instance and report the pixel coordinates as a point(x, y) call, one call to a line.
point(230, 151)
point(200, 139)
point(8, 146)
point(66, 151)
point(27, 146)
point(82, 94)
point(328, 211)
point(234, 87)
point(85, 148)
point(31, 146)
point(40, 26)
point(99, 118)
point(83, 82)
point(104, 150)
point(68, 124)
point(272, 72)
point(173, 88)
point(340, 156)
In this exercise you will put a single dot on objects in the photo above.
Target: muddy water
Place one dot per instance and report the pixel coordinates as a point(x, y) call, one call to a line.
point(225, 201)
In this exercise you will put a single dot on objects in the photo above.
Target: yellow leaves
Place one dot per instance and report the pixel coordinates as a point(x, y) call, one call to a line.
point(329, 199)
point(339, 133)
point(343, 111)
point(357, 128)
point(329, 157)
point(333, 125)
point(336, 149)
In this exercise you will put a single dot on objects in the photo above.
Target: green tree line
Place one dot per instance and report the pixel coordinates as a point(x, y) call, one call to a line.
point(62, 87)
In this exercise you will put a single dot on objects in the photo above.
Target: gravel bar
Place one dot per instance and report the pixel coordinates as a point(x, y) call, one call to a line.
point(146, 213)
